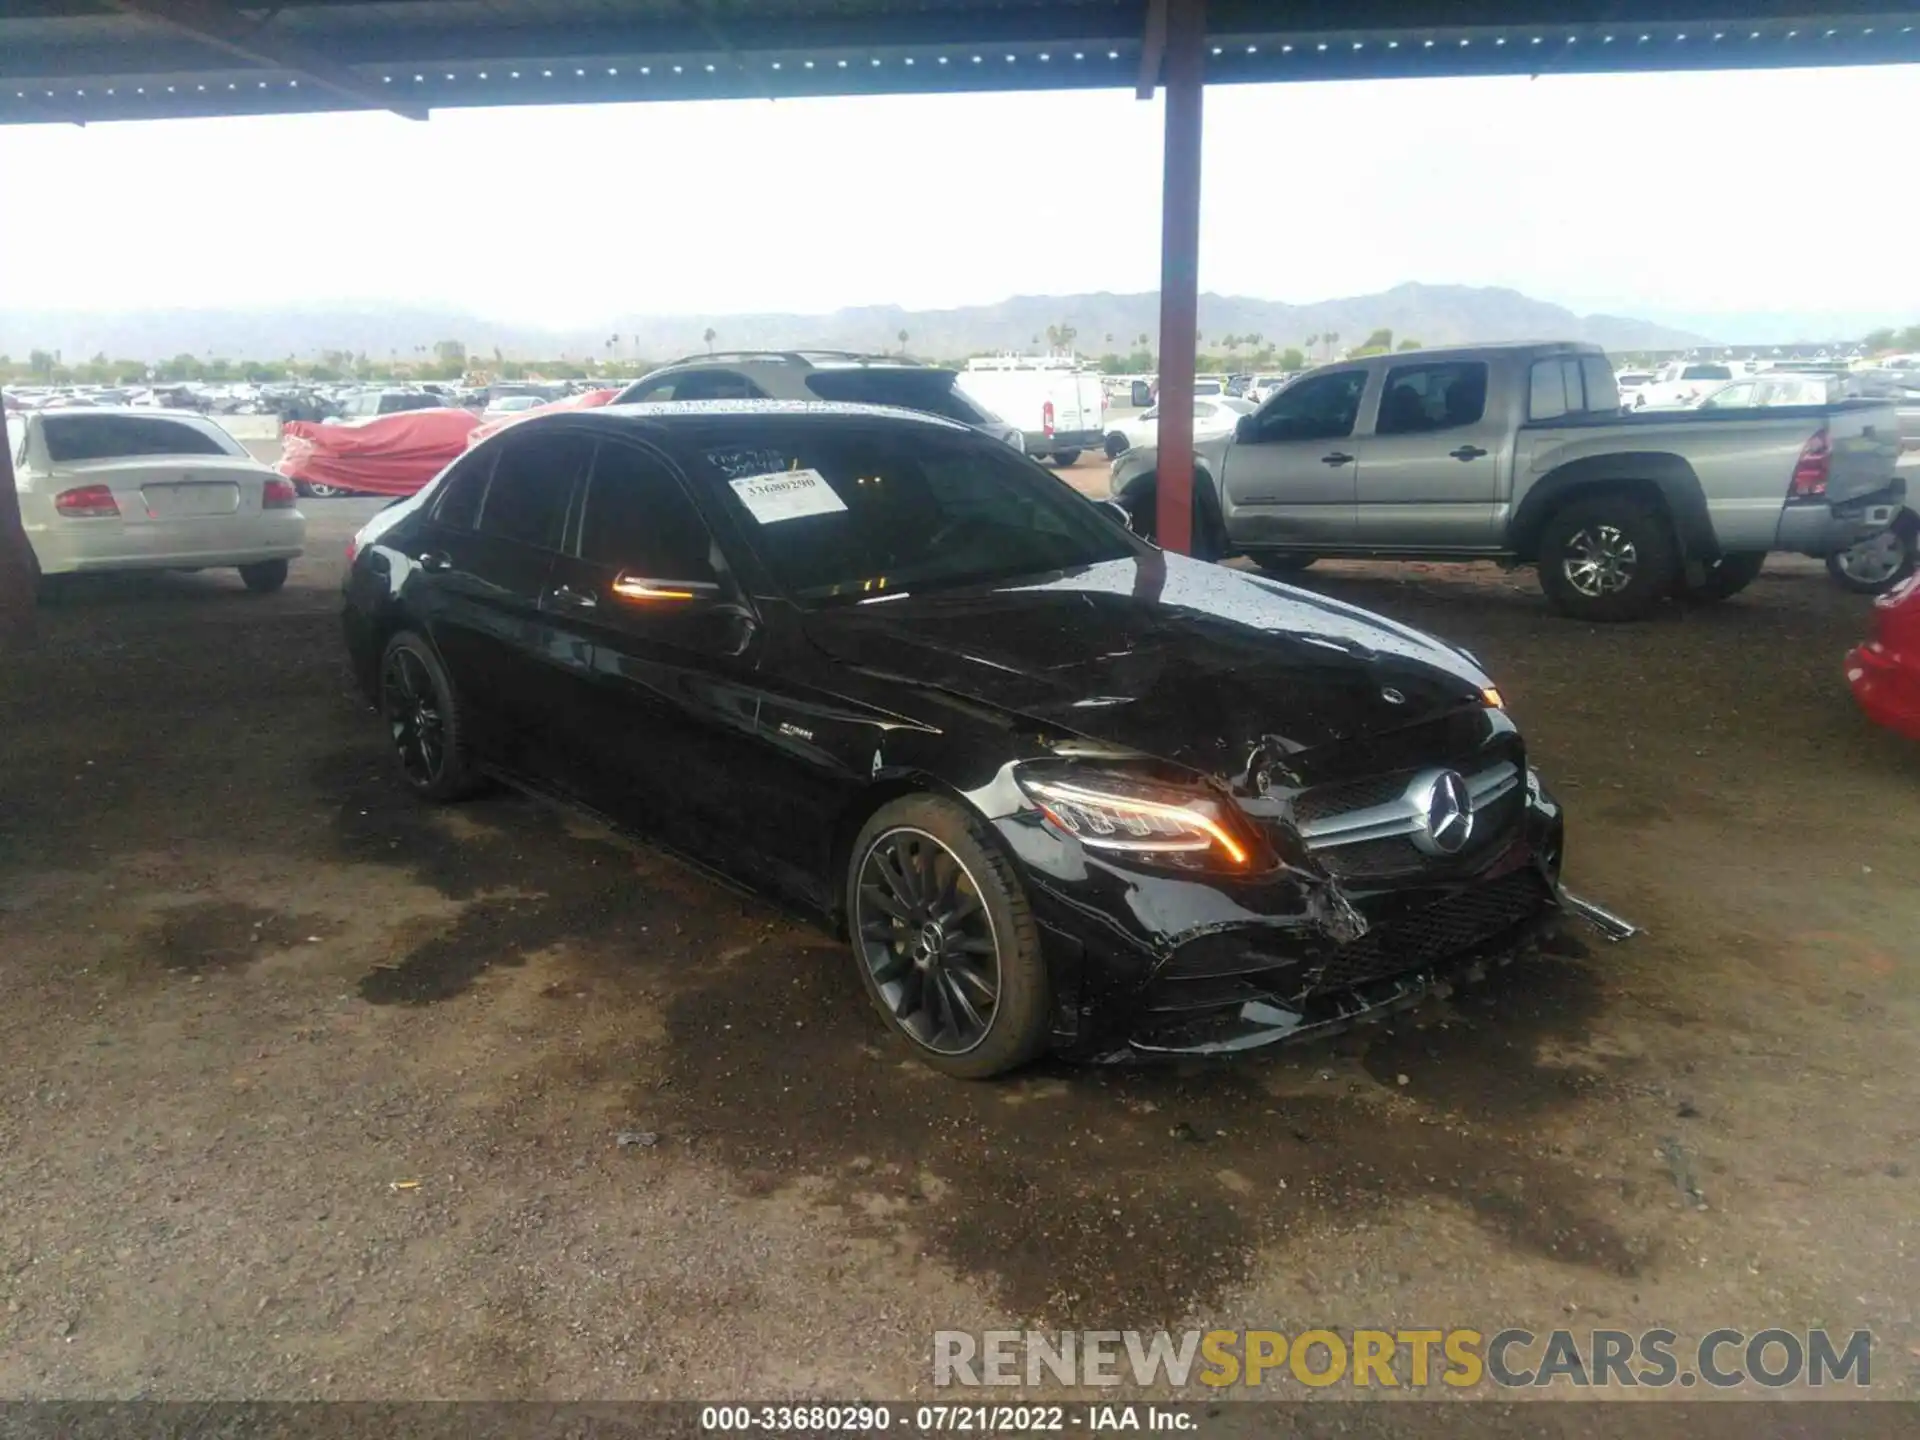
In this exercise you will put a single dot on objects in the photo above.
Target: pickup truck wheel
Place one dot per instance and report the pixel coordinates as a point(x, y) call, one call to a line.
point(1609, 558)
point(1209, 529)
point(1064, 458)
point(1283, 564)
point(1729, 575)
point(1874, 565)
point(1116, 445)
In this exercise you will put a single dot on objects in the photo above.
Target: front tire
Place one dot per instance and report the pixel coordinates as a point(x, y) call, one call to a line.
point(265, 576)
point(326, 492)
point(1066, 458)
point(1116, 445)
point(1281, 566)
point(426, 724)
point(1611, 558)
point(945, 941)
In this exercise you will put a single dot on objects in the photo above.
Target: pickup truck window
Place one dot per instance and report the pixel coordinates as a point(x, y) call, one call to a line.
point(1321, 408)
point(1733, 397)
point(1571, 385)
point(1419, 398)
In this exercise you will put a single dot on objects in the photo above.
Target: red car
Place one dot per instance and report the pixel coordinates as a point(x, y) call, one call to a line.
point(1885, 672)
point(393, 455)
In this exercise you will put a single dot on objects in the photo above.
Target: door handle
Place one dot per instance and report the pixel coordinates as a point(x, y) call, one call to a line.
point(572, 598)
point(1336, 458)
point(435, 560)
point(1467, 452)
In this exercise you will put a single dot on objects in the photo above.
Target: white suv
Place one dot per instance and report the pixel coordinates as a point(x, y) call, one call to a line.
point(837, 375)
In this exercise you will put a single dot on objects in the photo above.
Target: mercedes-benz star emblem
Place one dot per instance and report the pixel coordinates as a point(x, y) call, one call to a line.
point(1445, 810)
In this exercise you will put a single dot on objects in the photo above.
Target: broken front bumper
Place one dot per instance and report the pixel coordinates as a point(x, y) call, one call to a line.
point(1146, 963)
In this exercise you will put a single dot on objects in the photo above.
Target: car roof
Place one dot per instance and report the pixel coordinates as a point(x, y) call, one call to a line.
point(142, 412)
point(677, 414)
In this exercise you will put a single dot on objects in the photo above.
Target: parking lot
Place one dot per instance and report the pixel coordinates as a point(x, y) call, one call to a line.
point(306, 1089)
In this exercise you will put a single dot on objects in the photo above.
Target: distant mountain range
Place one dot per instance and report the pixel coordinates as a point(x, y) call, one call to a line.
point(1432, 314)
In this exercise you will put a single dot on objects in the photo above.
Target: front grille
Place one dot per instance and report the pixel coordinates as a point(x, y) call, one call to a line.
point(1439, 932)
point(1493, 829)
point(1342, 796)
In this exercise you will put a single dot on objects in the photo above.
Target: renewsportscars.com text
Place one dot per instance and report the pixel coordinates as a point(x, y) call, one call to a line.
point(1513, 1358)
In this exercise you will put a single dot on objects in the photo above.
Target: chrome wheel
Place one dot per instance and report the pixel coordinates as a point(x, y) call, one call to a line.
point(1874, 561)
point(928, 941)
point(325, 492)
point(414, 722)
point(1599, 560)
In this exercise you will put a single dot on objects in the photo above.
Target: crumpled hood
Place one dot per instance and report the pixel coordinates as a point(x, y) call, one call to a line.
point(1200, 672)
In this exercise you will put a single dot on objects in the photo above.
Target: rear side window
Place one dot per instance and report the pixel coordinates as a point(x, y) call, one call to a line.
point(932, 392)
point(463, 489)
point(1419, 398)
point(533, 480)
point(1570, 385)
point(114, 437)
point(638, 519)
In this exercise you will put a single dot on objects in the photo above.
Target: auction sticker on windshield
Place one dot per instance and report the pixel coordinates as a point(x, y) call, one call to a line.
point(786, 495)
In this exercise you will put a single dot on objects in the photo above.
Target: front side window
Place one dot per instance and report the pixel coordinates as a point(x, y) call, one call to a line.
point(639, 520)
point(1734, 397)
point(1323, 408)
point(1420, 398)
point(533, 479)
point(842, 513)
point(73, 438)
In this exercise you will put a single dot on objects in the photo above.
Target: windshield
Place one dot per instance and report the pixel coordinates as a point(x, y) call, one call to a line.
point(1706, 372)
point(838, 513)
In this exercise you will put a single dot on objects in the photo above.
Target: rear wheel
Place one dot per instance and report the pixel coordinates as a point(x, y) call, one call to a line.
point(325, 492)
point(425, 723)
point(1729, 575)
point(265, 576)
point(1064, 458)
point(1609, 558)
point(1877, 563)
point(945, 941)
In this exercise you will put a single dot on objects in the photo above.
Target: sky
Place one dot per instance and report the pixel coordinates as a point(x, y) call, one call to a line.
point(1690, 199)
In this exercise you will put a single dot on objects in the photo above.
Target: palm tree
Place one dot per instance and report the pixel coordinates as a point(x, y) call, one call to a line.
point(709, 337)
point(1312, 340)
point(903, 342)
point(1332, 338)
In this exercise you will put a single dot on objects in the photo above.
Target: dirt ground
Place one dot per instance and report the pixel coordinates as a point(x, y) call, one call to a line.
point(308, 1090)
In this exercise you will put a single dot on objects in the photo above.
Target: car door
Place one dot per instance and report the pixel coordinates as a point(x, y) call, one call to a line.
point(1292, 480)
point(1431, 466)
point(484, 554)
point(660, 703)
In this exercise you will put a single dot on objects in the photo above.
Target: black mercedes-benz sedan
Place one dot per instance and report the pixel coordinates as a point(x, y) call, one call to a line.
point(1058, 788)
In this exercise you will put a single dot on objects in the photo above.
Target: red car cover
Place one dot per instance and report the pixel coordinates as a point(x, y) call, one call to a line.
point(587, 400)
point(1885, 672)
point(393, 455)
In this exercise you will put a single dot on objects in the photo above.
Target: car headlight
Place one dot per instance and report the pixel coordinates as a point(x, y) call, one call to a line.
point(1119, 813)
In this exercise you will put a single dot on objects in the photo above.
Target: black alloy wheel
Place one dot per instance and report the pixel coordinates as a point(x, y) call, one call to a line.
point(946, 944)
point(423, 720)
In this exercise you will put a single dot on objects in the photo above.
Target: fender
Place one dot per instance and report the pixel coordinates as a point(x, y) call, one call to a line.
point(1140, 493)
point(1667, 473)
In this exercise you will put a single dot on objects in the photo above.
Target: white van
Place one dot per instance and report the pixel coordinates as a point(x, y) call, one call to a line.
point(1058, 402)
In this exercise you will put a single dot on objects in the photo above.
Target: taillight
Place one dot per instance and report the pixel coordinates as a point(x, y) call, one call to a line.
point(1811, 469)
point(278, 495)
point(353, 548)
point(1046, 417)
point(88, 502)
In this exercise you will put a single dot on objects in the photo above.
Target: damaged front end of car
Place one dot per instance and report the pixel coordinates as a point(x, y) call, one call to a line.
point(1299, 895)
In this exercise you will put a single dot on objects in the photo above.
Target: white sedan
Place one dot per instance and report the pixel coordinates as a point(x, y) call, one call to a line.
point(512, 405)
point(123, 489)
point(1212, 416)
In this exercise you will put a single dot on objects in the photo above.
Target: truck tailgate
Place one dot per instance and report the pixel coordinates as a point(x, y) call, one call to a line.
point(1865, 437)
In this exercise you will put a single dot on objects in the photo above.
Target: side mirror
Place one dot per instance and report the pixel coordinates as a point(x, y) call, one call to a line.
point(1120, 512)
point(1142, 394)
point(1245, 430)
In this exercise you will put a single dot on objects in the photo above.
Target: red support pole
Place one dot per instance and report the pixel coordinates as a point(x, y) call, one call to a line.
point(1185, 83)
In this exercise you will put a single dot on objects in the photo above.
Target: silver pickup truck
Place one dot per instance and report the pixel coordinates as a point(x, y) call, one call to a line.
point(1520, 453)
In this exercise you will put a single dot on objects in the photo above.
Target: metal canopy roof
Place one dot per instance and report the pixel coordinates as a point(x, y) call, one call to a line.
point(78, 61)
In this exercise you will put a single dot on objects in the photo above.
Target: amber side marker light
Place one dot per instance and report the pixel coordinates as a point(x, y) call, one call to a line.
point(633, 587)
point(1493, 697)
